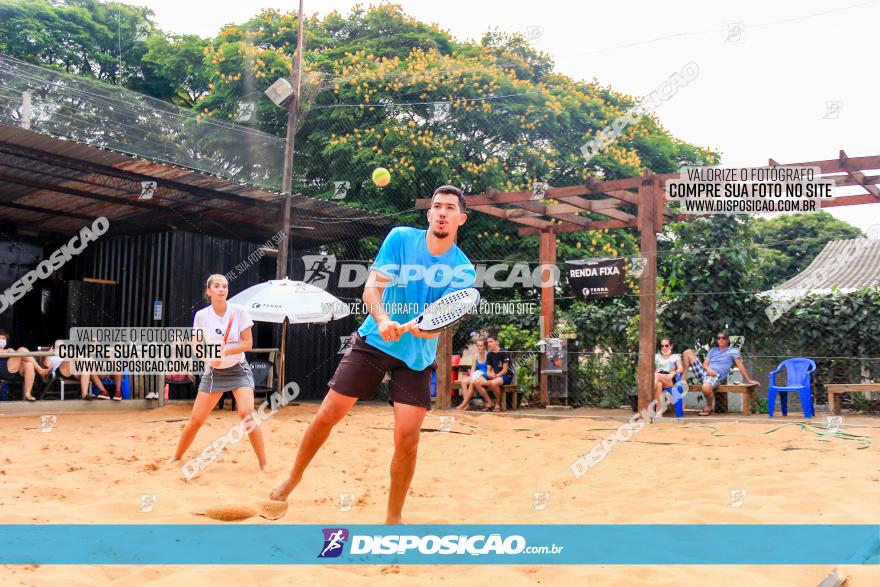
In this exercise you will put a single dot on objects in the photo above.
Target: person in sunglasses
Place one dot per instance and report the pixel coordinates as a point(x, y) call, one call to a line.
point(667, 364)
point(714, 369)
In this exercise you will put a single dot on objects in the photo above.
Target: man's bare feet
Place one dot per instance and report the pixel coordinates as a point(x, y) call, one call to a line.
point(394, 520)
point(283, 489)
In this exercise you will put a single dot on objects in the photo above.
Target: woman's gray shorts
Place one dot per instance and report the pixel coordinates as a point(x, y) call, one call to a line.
point(220, 380)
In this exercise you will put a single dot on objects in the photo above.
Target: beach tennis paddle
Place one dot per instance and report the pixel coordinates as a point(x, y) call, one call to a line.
point(447, 311)
point(226, 337)
point(228, 328)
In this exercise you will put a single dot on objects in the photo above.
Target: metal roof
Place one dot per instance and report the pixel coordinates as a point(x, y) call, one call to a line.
point(844, 265)
point(54, 185)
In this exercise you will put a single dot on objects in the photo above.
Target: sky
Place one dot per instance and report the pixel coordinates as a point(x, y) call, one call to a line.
point(788, 80)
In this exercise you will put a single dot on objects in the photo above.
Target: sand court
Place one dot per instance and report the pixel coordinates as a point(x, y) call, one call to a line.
point(110, 468)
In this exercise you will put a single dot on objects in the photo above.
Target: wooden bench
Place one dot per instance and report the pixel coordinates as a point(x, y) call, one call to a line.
point(510, 389)
point(746, 389)
point(837, 388)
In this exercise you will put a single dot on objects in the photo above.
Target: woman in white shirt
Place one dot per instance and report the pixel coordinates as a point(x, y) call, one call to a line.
point(231, 372)
point(667, 365)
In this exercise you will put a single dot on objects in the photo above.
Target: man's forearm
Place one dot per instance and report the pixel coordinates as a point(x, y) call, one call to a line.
point(373, 300)
point(742, 369)
point(414, 330)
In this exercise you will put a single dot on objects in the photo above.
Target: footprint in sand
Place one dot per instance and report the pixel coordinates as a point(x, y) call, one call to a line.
point(152, 467)
point(271, 510)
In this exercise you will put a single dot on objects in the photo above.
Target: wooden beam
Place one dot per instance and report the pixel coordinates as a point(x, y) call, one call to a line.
point(592, 225)
point(647, 290)
point(567, 213)
point(848, 180)
point(533, 221)
point(546, 256)
point(856, 200)
point(494, 197)
point(833, 165)
point(492, 211)
point(590, 205)
point(623, 196)
point(531, 207)
point(617, 214)
point(520, 213)
point(574, 219)
point(858, 175)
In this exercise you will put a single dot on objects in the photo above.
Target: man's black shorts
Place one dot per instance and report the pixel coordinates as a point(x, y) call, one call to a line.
point(361, 371)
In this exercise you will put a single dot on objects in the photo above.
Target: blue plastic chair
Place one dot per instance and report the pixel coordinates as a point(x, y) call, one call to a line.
point(677, 395)
point(798, 380)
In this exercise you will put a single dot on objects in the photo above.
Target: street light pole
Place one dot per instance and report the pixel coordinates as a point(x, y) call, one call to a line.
point(287, 179)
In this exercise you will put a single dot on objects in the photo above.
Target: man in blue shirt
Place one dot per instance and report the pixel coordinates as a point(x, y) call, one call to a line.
point(413, 269)
point(715, 368)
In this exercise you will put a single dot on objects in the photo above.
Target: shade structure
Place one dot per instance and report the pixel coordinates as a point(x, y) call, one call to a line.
point(843, 266)
point(282, 301)
point(296, 301)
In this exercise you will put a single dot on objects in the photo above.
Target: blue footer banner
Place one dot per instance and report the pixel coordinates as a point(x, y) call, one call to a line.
point(515, 544)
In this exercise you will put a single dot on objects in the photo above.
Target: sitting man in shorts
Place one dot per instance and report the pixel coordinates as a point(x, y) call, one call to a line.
point(500, 370)
point(19, 369)
point(715, 368)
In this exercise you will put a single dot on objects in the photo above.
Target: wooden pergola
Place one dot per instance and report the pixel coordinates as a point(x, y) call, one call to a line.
point(609, 199)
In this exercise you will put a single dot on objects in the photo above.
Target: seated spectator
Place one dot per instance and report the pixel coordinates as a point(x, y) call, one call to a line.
point(499, 371)
point(470, 349)
point(715, 368)
point(23, 369)
point(667, 365)
point(477, 373)
point(56, 364)
point(117, 382)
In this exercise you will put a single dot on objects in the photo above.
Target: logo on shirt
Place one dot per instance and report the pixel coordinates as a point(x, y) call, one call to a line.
point(334, 540)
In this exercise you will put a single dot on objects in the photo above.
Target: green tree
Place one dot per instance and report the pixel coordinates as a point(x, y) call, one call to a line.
point(105, 41)
point(174, 70)
point(707, 281)
point(791, 242)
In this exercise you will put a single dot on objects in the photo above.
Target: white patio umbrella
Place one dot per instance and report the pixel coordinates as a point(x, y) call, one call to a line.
point(282, 301)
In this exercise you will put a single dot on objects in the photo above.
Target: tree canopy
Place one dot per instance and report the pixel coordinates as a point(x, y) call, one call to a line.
point(791, 242)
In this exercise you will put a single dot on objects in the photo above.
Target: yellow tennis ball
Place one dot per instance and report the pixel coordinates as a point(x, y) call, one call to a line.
point(381, 176)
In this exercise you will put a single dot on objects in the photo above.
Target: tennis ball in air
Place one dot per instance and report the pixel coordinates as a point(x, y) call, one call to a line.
point(381, 176)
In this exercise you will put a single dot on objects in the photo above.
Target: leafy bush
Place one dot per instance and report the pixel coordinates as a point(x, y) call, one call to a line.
point(601, 381)
point(518, 339)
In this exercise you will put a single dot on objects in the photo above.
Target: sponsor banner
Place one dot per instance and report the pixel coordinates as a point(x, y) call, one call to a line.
point(259, 544)
point(596, 278)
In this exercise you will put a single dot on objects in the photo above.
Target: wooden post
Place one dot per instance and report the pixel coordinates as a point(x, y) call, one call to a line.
point(289, 150)
point(547, 256)
point(444, 369)
point(282, 366)
point(647, 288)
